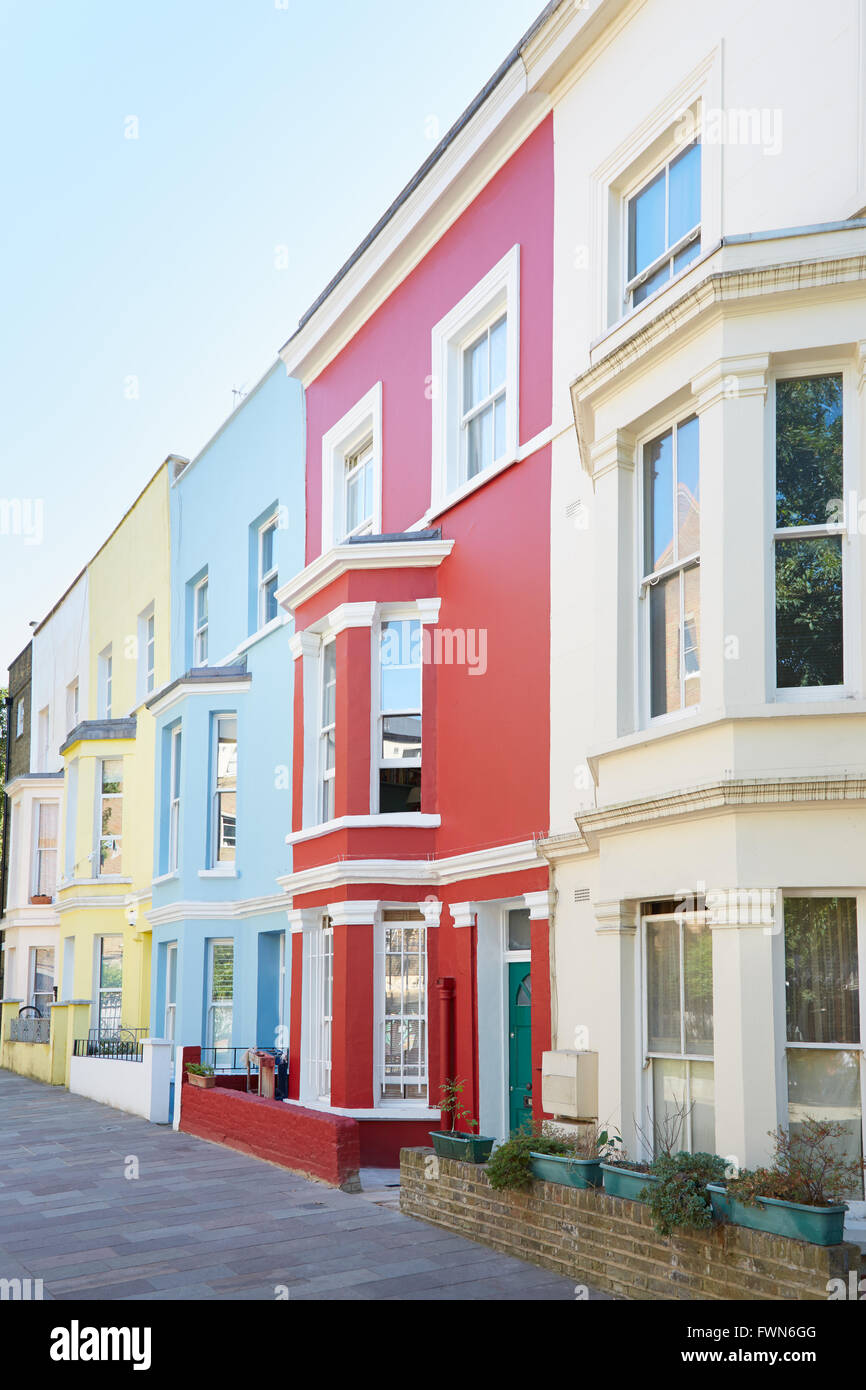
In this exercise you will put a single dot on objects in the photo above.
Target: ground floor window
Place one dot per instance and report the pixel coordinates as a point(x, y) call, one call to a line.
point(822, 1004)
point(403, 1048)
point(42, 989)
point(321, 997)
point(170, 992)
point(110, 988)
point(221, 986)
point(678, 987)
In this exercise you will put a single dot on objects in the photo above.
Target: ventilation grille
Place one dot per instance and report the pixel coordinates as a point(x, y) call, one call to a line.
point(581, 895)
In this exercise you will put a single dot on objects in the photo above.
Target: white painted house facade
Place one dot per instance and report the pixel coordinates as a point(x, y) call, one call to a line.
point(708, 770)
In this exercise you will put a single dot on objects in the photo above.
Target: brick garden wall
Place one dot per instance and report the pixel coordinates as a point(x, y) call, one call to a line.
point(609, 1243)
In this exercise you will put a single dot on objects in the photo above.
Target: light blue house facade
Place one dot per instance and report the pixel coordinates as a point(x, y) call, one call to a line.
point(221, 960)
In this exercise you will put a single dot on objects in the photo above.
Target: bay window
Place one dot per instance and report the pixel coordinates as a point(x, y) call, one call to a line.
point(174, 799)
point(403, 1047)
point(45, 856)
point(327, 731)
point(42, 988)
point(224, 789)
point(670, 586)
point(111, 816)
point(808, 539)
point(822, 1003)
point(678, 976)
point(399, 715)
point(109, 985)
point(664, 225)
point(320, 959)
point(220, 1000)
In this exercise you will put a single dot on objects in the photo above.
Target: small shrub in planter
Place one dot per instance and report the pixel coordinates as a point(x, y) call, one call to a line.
point(198, 1075)
point(532, 1154)
point(452, 1143)
point(678, 1199)
point(802, 1194)
point(511, 1165)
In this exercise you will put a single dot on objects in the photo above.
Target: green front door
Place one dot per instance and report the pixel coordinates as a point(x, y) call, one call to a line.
point(519, 1045)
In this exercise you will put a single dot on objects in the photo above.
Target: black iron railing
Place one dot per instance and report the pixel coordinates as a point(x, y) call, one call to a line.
point(228, 1059)
point(120, 1045)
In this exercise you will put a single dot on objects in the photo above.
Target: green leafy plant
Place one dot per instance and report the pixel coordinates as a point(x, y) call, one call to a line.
point(808, 1167)
point(511, 1164)
point(450, 1093)
point(198, 1070)
point(679, 1200)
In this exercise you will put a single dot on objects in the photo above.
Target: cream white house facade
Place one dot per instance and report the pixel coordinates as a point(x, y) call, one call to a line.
point(708, 741)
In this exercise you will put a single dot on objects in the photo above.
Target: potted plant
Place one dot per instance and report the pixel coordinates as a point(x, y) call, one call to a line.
point(197, 1075)
point(635, 1178)
point(801, 1194)
point(472, 1148)
point(677, 1196)
point(40, 899)
point(513, 1163)
point(578, 1163)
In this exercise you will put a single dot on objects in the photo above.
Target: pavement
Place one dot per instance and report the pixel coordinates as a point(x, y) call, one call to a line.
point(102, 1205)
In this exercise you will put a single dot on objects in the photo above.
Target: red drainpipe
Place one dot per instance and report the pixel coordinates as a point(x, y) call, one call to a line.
point(446, 988)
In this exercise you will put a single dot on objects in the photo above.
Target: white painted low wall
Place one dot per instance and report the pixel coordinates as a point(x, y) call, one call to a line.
point(142, 1088)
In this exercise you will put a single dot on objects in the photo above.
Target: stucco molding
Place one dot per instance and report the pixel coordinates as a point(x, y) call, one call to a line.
point(540, 906)
point(464, 914)
point(345, 559)
point(737, 378)
point(354, 913)
point(501, 859)
point(403, 820)
point(615, 917)
point(191, 911)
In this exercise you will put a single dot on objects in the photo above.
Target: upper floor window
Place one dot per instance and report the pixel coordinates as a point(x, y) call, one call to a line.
point(72, 705)
point(44, 727)
point(671, 567)
point(267, 603)
point(111, 816)
point(808, 540)
point(199, 623)
point(45, 855)
point(146, 652)
point(474, 384)
point(174, 799)
point(352, 472)
point(224, 790)
point(664, 225)
point(399, 715)
point(19, 719)
point(358, 490)
point(327, 732)
point(103, 684)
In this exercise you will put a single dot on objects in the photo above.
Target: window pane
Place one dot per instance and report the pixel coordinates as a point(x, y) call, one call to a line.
point(475, 373)
point(479, 442)
point(663, 986)
point(399, 789)
point(519, 929)
point(670, 1101)
point(499, 428)
point(692, 635)
point(687, 255)
point(688, 488)
point(826, 1085)
point(329, 678)
point(354, 486)
point(201, 604)
point(665, 646)
point(330, 750)
point(112, 775)
point(684, 193)
point(400, 652)
point(498, 354)
point(698, 987)
point(271, 607)
point(655, 281)
point(808, 450)
point(703, 1102)
point(809, 622)
point(111, 962)
point(401, 736)
point(659, 499)
point(821, 970)
point(222, 981)
point(268, 548)
point(647, 225)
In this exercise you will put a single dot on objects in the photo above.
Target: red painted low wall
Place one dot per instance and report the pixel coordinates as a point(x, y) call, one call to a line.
point(323, 1146)
point(382, 1140)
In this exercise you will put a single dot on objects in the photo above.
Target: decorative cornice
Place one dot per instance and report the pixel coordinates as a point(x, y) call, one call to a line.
point(353, 913)
point(304, 644)
point(401, 820)
point(220, 911)
point(539, 905)
point(463, 913)
point(615, 450)
point(615, 917)
point(303, 919)
point(731, 378)
point(349, 615)
point(343, 559)
point(714, 797)
point(502, 859)
point(228, 680)
point(92, 730)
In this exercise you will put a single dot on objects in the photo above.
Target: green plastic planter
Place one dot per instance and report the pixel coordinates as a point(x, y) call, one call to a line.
point(626, 1182)
point(471, 1148)
point(567, 1172)
point(817, 1225)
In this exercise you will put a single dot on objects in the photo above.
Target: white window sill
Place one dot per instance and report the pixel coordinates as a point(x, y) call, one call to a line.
point(166, 878)
point(218, 873)
point(392, 1111)
point(444, 504)
point(407, 820)
point(89, 882)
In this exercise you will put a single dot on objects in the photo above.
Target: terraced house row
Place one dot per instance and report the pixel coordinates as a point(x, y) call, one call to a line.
point(487, 698)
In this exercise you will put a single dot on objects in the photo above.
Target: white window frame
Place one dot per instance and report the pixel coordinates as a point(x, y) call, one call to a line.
point(19, 717)
point(496, 294)
point(72, 704)
point(645, 1079)
point(199, 627)
point(215, 862)
point(104, 683)
point(851, 602)
point(324, 774)
point(38, 852)
point(387, 614)
point(266, 577)
point(356, 463)
point(43, 725)
point(857, 1209)
point(100, 796)
point(101, 989)
point(319, 1002)
point(31, 973)
point(212, 1003)
point(380, 1100)
point(668, 422)
point(146, 672)
point(174, 797)
point(695, 233)
point(341, 441)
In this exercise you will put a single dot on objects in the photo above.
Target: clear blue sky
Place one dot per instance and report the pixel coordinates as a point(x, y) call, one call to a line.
point(261, 123)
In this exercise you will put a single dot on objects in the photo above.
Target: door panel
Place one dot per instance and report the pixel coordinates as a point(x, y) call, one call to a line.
point(519, 1045)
